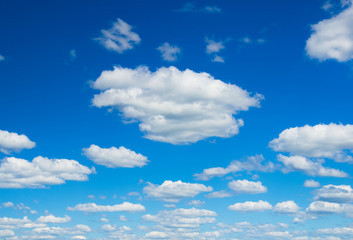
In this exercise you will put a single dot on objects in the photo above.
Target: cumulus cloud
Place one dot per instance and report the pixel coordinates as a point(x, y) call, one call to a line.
point(171, 191)
point(253, 163)
point(92, 207)
point(115, 157)
point(320, 141)
point(119, 38)
point(219, 194)
point(286, 207)
point(335, 193)
point(332, 38)
point(20, 173)
point(174, 106)
point(307, 166)
point(311, 184)
point(245, 186)
point(320, 207)
point(169, 53)
point(53, 219)
point(6, 233)
point(13, 142)
point(249, 206)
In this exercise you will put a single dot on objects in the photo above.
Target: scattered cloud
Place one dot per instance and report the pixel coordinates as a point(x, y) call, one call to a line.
point(311, 183)
point(213, 48)
point(169, 53)
point(219, 194)
point(332, 38)
point(245, 186)
point(53, 219)
point(119, 38)
point(319, 141)
point(248, 206)
point(92, 207)
point(171, 191)
point(174, 106)
point(286, 207)
point(20, 173)
point(196, 202)
point(253, 163)
point(335, 193)
point(307, 166)
point(190, 7)
point(320, 207)
point(13, 142)
point(115, 157)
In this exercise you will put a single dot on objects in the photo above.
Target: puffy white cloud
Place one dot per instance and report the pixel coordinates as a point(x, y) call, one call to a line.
point(319, 141)
point(245, 186)
point(312, 168)
point(320, 207)
point(332, 38)
point(119, 38)
point(335, 193)
point(76, 230)
point(156, 234)
point(169, 53)
point(338, 231)
point(253, 163)
point(249, 206)
point(108, 228)
point(174, 106)
point(20, 173)
point(286, 207)
point(53, 219)
point(171, 191)
point(13, 142)
point(213, 48)
point(92, 207)
point(79, 237)
point(6, 233)
point(219, 194)
point(311, 183)
point(115, 157)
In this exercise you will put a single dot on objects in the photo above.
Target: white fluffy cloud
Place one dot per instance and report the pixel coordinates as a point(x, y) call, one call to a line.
point(92, 207)
point(335, 193)
point(53, 219)
point(311, 183)
point(309, 167)
point(119, 38)
point(7, 233)
point(174, 106)
point(169, 53)
point(320, 141)
point(332, 38)
point(20, 173)
point(286, 207)
point(249, 206)
point(213, 48)
point(13, 142)
point(171, 191)
point(115, 157)
point(320, 207)
point(245, 186)
point(253, 163)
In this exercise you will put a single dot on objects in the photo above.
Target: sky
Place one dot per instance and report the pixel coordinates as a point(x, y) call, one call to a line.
point(176, 119)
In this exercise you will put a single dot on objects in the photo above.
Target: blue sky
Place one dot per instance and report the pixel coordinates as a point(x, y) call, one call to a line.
point(176, 120)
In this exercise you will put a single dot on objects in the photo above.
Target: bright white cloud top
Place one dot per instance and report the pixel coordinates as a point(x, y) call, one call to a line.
point(286, 207)
point(52, 219)
point(311, 183)
point(332, 38)
point(92, 207)
point(119, 38)
point(174, 106)
point(249, 206)
point(247, 187)
point(115, 157)
point(171, 191)
point(169, 53)
point(13, 142)
point(20, 173)
point(335, 193)
point(320, 141)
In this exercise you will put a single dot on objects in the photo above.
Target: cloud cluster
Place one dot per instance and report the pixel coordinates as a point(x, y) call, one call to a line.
point(52, 219)
point(335, 193)
point(245, 186)
point(20, 173)
point(249, 206)
point(92, 207)
point(119, 38)
point(115, 157)
point(174, 106)
point(169, 53)
point(332, 38)
point(171, 191)
point(213, 48)
point(13, 142)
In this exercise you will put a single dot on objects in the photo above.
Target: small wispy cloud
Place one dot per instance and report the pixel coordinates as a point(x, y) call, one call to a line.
point(119, 38)
point(73, 54)
point(213, 48)
point(2, 58)
point(190, 7)
point(169, 53)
